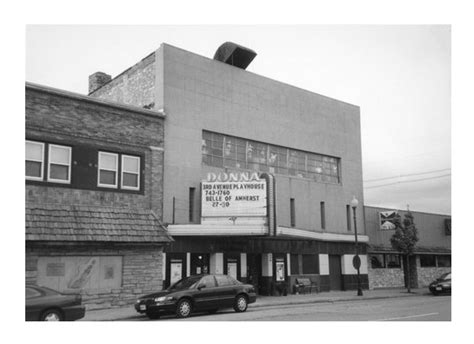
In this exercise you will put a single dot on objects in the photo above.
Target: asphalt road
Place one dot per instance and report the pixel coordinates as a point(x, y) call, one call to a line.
point(416, 308)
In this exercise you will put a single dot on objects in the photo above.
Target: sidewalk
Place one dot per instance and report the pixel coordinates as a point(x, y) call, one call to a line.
point(125, 313)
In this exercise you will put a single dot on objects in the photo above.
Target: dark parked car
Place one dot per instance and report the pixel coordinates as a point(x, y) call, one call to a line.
point(44, 304)
point(442, 284)
point(198, 293)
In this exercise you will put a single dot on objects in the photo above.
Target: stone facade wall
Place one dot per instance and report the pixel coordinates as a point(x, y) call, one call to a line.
point(386, 278)
point(141, 270)
point(135, 86)
point(428, 275)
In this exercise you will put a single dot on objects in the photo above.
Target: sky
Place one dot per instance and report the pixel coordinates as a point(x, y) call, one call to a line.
point(400, 76)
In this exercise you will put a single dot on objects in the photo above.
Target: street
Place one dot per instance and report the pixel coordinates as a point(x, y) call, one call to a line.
point(417, 308)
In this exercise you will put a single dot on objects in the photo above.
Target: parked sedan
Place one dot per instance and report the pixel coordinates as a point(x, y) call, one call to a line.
point(441, 285)
point(198, 293)
point(44, 304)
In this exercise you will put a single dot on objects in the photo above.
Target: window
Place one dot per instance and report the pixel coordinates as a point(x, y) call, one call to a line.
point(444, 261)
point(292, 213)
point(447, 227)
point(227, 151)
point(377, 261)
point(207, 282)
point(34, 157)
point(192, 192)
point(294, 264)
point(393, 260)
point(130, 172)
point(348, 217)
point(30, 293)
point(427, 261)
point(323, 215)
point(108, 171)
point(59, 164)
point(108, 167)
point(310, 264)
point(224, 280)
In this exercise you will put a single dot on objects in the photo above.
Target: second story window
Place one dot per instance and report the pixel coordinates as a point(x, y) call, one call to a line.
point(130, 172)
point(118, 171)
point(108, 170)
point(59, 164)
point(34, 159)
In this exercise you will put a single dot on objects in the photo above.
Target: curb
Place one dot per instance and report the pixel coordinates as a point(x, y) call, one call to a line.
point(299, 302)
point(289, 303)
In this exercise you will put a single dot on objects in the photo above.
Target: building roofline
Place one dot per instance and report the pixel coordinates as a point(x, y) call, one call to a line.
point(262, 76)
point(404, 210)
point(243, 70)
point(77, 96)
point(123, 72)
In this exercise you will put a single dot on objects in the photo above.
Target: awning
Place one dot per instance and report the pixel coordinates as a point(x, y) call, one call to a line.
point(56, 222)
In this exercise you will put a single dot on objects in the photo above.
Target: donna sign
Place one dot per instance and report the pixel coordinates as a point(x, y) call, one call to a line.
point(234, 194)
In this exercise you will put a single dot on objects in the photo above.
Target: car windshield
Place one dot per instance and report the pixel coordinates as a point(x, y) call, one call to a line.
point(445, 276)
point(185, 283)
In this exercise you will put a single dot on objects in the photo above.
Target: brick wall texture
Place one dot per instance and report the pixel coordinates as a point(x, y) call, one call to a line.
point(59, 117)
point(135, 86)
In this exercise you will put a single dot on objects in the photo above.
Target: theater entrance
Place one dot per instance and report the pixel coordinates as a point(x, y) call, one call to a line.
point(254, 271)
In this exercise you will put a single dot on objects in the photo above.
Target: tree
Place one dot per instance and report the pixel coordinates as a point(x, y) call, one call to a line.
point(404, 240)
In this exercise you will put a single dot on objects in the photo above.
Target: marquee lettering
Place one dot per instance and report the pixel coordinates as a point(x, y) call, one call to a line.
point(232, 177)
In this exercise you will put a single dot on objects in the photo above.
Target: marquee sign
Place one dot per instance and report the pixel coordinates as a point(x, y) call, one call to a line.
point(234, 194)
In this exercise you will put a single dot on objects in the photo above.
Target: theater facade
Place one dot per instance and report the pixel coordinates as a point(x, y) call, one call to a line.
point(258, 174)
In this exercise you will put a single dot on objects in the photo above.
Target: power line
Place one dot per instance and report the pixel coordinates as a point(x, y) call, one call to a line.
point(407, 181)
point(406, 175)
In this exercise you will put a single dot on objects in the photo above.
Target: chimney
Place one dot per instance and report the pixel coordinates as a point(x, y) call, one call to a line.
point(97, 80)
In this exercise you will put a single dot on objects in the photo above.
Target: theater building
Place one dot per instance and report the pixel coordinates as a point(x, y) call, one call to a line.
point(94, 174)
point(432, 255)
point(258, 174)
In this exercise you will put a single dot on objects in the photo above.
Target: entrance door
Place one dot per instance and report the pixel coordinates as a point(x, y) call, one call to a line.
point(335, 273)
point(199, 263)
point(254, 270)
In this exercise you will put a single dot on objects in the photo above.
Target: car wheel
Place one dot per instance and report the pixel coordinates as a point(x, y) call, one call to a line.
point(52, 315)
point(184, 308)
point(153, 315)
point(240, 304)
point(435, 293)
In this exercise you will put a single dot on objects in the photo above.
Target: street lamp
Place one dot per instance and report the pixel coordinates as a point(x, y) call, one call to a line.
point(356, 260)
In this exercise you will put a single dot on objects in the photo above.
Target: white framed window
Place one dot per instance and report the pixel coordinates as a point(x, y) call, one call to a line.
point(108, 170)
point(59, 164)
point(130, 172)
point(34, 160)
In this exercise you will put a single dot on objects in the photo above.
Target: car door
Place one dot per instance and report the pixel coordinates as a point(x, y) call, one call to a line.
point(33, 303)
point(205, 296)
point(226, 290)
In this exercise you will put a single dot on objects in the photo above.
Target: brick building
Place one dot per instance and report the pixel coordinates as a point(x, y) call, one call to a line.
point(432, 253)
point(94, 178)
point(222, 125)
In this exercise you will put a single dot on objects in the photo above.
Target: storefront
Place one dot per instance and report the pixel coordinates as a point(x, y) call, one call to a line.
point(238, 236)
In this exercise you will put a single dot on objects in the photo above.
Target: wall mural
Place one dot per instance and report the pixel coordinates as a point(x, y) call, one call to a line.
point(84, 273)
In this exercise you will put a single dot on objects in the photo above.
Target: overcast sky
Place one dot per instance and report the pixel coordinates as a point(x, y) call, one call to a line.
point(399, 76)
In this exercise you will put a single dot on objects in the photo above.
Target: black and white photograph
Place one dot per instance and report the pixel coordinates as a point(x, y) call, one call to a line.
point(276, 176)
